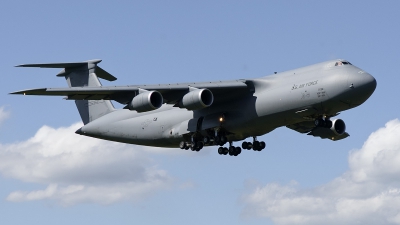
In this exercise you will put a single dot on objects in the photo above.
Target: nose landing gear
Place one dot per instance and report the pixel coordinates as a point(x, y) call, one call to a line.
point(323, 122)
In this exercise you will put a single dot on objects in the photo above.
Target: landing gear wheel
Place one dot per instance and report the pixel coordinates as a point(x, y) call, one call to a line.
point(206, 140)
point(249, 146)
point(256, 146)
point(238, 151)
point(262, 145)
point(225, 151)
point(199, 146)
point(221, 150)
point(232, 150)
point(193, 147)
point(244, 145)
point(182, 145)
point(319, 123)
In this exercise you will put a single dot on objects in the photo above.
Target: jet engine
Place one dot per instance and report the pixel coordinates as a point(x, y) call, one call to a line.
point(197, 99)
point(146, 101)
point(338, 127)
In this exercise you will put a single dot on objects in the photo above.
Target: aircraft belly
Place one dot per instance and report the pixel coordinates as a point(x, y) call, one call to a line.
point(153, 129)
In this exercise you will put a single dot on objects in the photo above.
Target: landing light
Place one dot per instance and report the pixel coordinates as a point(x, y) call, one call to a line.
point(221, 119)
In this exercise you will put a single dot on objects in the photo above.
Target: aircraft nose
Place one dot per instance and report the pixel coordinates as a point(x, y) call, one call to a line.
point(362, 80)
point(363, 85)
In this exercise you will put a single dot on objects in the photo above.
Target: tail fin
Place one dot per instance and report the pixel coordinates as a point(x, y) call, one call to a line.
point(84, 74)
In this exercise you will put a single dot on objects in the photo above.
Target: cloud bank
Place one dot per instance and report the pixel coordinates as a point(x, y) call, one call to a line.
point(368, 193)
point(75, 169)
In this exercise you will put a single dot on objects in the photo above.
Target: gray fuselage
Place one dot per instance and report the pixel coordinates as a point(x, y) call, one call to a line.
point(281, 99)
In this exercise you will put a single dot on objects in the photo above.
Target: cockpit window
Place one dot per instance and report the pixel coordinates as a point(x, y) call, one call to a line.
point(340, 63)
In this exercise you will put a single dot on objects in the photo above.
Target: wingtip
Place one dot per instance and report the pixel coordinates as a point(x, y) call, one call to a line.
point(15, 93)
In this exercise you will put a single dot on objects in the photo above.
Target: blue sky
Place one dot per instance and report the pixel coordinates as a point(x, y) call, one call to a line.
point(43, 163)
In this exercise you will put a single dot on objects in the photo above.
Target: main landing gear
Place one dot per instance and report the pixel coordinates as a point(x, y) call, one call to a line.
point(194, 146)
point(232, 150)
point(198, 142)
point(256, 145)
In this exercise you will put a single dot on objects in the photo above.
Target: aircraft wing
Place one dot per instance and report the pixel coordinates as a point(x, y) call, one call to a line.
point(172, 93)
point(322, 132)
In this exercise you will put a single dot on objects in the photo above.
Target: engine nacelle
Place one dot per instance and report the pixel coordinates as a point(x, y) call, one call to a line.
point(146, 101)
point(197, 99)
point(338, 127)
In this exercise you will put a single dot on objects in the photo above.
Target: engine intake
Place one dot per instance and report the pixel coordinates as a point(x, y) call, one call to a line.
point(197, 99)
point(338, 127)
point(146, 101)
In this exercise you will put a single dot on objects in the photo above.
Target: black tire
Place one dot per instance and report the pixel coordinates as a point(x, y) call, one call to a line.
point(206, 140)
point(200, 145)
point(249, 145)
point(182, 145)
point(226, 151)
point(238, 150)
point(256, 145)
point(232, 150)
point(193, 147)
point(262, 145)
point(319, 123)
point(221, 150)
point(244, 145)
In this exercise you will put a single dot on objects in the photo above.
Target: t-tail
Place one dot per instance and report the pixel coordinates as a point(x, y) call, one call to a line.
point(84, 74)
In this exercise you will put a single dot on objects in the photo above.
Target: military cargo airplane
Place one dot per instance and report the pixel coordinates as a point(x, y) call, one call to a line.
point(194, 115)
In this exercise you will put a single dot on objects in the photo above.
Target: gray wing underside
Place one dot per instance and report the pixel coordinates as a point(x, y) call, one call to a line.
point(172, 93)
point(308, 127)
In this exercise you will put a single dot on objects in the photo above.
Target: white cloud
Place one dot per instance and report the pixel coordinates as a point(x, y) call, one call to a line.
point(3, 114)
point(368, 193)
point(75, 168)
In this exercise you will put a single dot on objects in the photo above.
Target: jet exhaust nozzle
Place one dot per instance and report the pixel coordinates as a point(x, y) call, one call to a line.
point(146, 101)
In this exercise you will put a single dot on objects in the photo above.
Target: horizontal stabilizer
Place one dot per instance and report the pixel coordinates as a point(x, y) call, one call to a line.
point(71, 66)
point(60, 65)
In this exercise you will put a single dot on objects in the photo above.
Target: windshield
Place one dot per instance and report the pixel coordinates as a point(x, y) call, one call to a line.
point(340, 63)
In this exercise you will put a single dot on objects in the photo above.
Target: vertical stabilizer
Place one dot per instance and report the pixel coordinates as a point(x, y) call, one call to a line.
point(84, 74)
